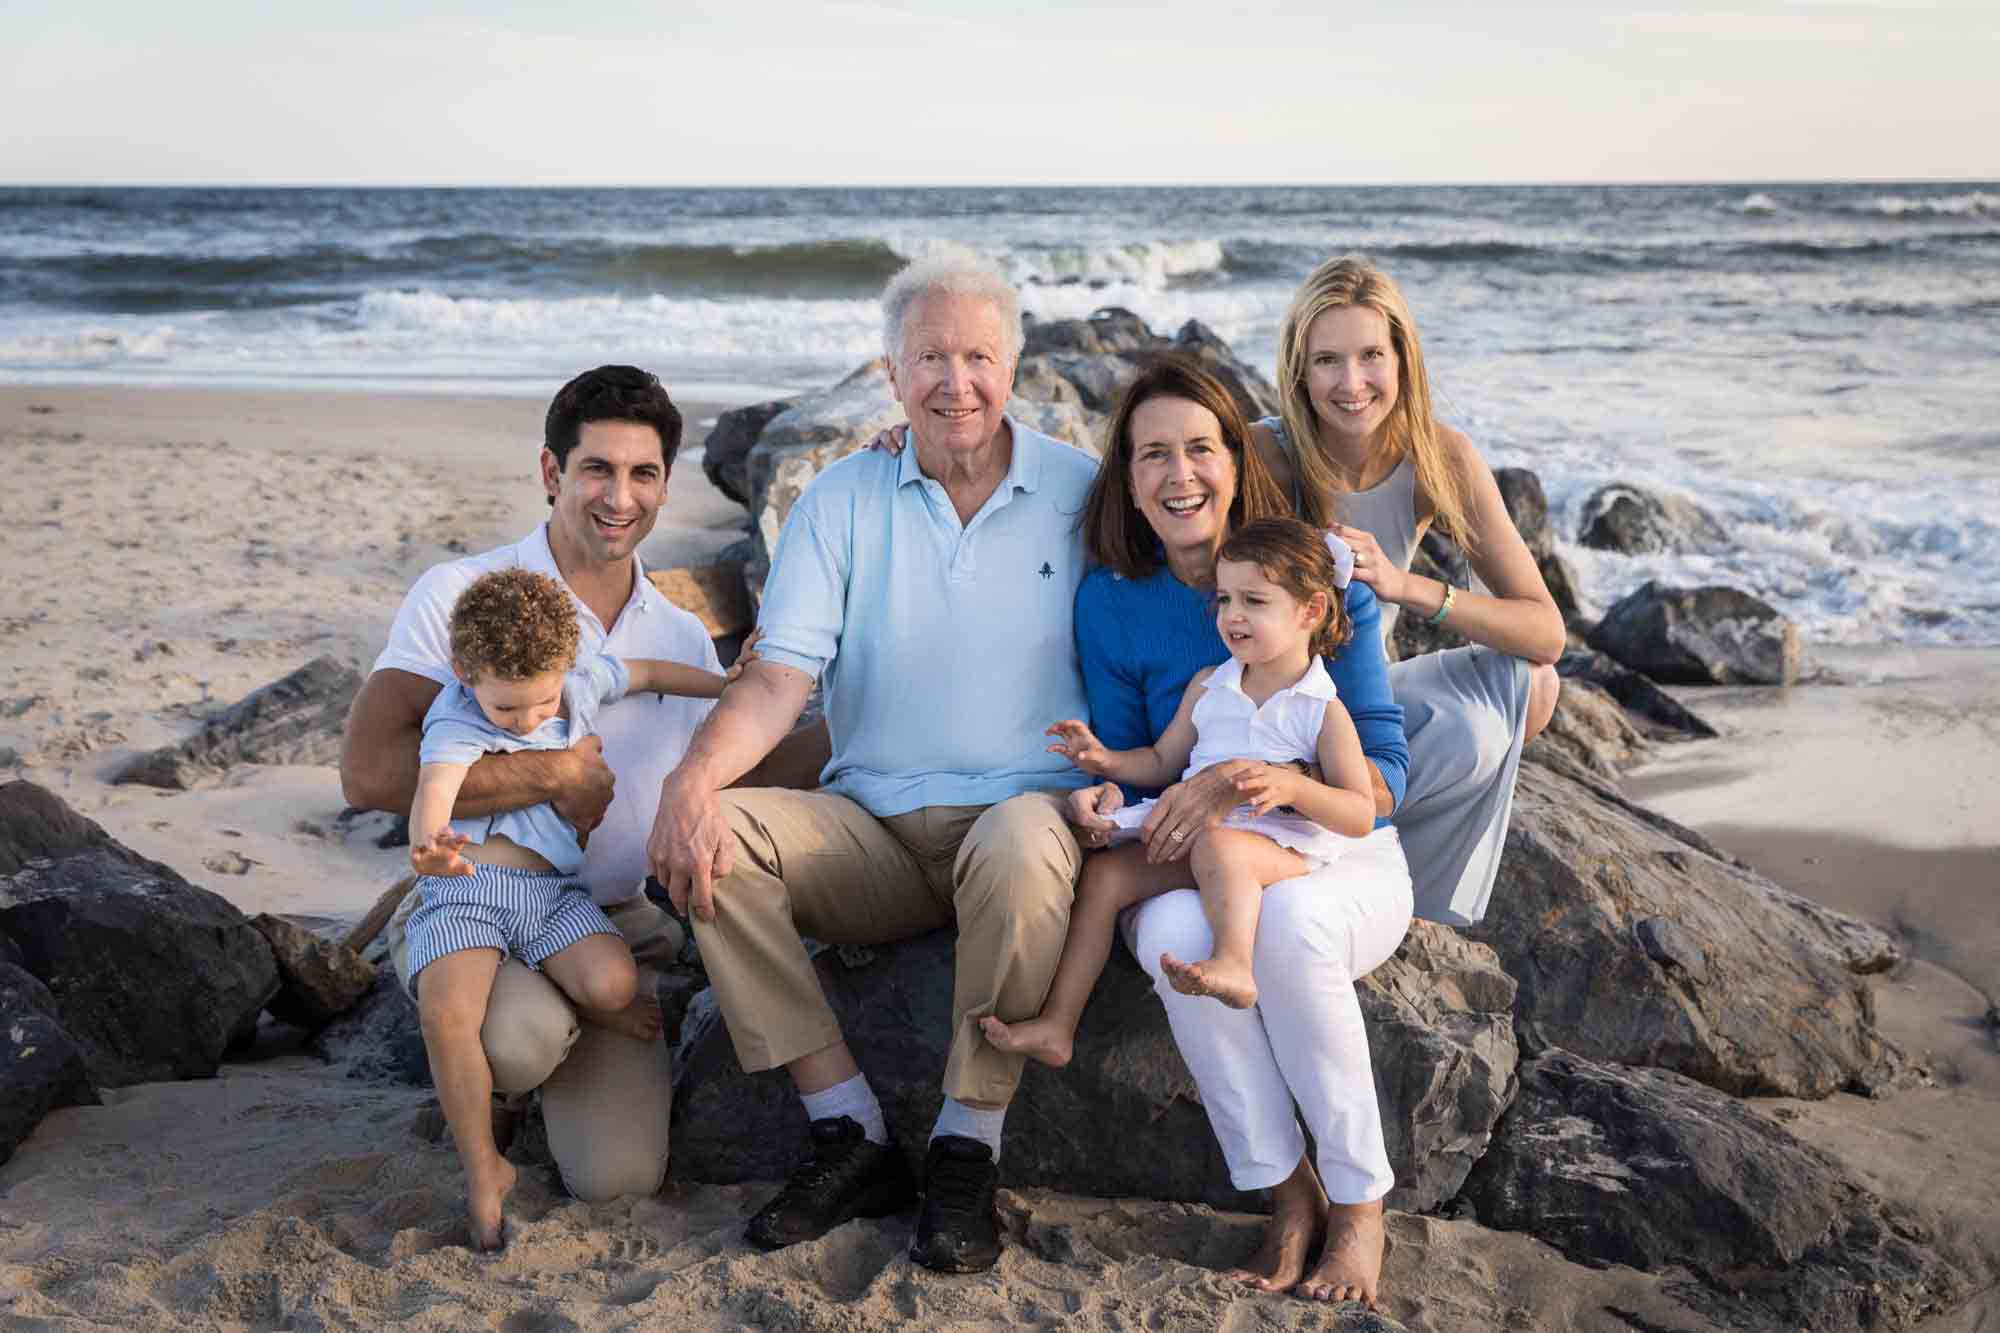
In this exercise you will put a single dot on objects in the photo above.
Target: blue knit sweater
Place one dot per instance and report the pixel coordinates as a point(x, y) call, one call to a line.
point(1141, 640)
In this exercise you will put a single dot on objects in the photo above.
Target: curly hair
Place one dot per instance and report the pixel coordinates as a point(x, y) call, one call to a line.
point(514, 624)
point(1293, 555)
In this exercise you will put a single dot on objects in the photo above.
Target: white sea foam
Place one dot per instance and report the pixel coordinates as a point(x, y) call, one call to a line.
point(1977, 203)
point(1754, 205)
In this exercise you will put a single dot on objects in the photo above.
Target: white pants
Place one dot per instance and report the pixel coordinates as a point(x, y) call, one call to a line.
point(1303, 1041)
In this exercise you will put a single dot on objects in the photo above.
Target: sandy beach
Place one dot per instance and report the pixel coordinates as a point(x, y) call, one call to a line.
point(170, 550)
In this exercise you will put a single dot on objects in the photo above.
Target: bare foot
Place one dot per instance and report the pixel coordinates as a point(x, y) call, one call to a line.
point(640, 1019)
point(1280, 1259)
point(1350, 1267)
point(485, 1204)
point(1040, 1039)
point(1228, 982)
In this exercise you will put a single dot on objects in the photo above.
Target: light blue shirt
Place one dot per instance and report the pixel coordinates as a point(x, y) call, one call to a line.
point(457, 731)
point(944, 649)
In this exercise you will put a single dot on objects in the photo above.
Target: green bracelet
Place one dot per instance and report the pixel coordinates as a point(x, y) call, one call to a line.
point(1444, 608)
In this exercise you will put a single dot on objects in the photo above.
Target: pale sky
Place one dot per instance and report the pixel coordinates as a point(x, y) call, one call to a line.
point(603, 92)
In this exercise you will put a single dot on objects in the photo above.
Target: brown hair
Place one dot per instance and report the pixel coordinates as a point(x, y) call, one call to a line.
point(1411, 430)
point(1295, 557)
point(515, 624)
point(1115, 533)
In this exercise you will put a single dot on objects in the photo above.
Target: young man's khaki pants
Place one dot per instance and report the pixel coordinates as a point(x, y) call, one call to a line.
point(814, 864)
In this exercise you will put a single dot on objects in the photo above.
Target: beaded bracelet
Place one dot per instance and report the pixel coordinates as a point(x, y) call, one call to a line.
point(1444, 608)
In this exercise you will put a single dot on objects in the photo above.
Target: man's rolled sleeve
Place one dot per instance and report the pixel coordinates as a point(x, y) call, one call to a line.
point(805, 597)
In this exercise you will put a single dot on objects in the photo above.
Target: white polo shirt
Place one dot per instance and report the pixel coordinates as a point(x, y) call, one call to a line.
point(644, 734)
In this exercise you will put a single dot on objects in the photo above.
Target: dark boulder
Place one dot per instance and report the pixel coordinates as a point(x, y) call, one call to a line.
point(41, 1068)
point(1109, 330)
point(1589, 889)
point(1636, 521)
point(1613, 1165)
point(294, 720)
point(1700, 636)
point(1657, 712)
point(725, 456)
point(380, 1037)
point(151, 976)
point(1125, 1117)
point(1528, 505)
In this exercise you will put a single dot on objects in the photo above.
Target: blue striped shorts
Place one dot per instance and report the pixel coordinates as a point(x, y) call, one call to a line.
point(525, 914)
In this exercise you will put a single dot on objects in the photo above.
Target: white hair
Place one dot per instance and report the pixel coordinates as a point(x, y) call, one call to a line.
point(949, 270)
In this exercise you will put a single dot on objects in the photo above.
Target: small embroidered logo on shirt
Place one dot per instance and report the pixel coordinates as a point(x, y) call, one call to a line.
point(1046, 571)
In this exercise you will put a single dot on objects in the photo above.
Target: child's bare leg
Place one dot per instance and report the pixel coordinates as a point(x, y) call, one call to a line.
point(602, 981)
point(1233, 867)
point(451, 1004)
point(1112, 881)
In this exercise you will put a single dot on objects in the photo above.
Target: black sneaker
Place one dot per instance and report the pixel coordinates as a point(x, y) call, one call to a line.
point(958, 1230)
point(848, 1177)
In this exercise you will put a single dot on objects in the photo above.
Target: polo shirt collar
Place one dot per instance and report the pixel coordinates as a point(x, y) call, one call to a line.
point(535, 553)
point(1024, 469)
point(1315, 684)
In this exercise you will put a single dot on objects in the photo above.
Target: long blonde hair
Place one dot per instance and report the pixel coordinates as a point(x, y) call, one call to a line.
point(1411, 430)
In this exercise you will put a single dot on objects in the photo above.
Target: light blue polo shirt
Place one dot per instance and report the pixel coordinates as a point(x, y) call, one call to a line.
point(944, 650)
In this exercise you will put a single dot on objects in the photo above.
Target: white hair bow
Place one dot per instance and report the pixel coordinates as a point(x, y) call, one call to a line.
point(1343, 560)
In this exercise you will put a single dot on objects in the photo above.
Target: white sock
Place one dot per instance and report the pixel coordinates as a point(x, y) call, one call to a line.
point(968, 1122)
point(855, 1099)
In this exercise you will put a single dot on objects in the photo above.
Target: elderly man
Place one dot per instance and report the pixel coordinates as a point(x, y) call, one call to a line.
point(930, 593)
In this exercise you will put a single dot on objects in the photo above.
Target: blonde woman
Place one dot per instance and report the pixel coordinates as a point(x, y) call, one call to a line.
point(1361, 451)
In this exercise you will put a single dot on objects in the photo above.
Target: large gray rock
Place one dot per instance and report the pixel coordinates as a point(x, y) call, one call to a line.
point(1125, 1117)
point(1634, 942)
point(1700, 636)
point(151, 976)
point(1613, 1165)
point(725, 454)
point(41, 1068)
point(1636, 521)
point(1441, 1036)
point(1591, 729)
point(319, 979)
point(294, 720)
point(1528, 505)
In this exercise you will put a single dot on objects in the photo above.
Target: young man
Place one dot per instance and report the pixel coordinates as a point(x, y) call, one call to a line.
point(608, 446)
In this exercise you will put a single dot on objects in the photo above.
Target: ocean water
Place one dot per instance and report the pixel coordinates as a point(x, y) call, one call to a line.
point(1818, 364)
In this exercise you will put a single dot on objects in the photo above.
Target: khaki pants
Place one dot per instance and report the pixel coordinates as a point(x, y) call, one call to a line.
point(606, 1098)
point(815, 864)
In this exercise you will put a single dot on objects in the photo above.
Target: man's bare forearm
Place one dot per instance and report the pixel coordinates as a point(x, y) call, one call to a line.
point(754, 715)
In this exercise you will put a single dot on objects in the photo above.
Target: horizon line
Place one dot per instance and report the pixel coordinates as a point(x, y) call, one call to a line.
point(1440, 183)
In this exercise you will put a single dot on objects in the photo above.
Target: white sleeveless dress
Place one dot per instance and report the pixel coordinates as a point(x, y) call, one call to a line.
point(1465, 712)
point(1285, 728)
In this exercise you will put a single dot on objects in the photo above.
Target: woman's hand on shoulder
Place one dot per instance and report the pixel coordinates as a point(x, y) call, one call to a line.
point(890, 441)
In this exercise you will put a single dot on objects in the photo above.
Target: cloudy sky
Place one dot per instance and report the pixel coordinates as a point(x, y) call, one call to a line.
point(741, 92)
